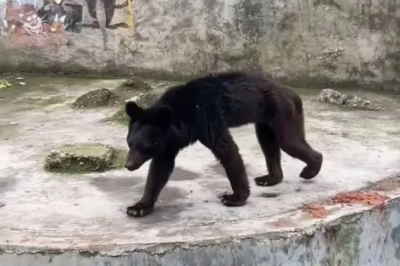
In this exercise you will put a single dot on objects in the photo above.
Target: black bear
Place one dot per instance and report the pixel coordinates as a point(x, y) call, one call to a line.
point(203, 110)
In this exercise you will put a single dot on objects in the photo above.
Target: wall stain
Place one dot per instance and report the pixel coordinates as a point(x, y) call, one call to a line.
point(288, 21)
point(395, 235)
point(331, 3)
point(248, 18)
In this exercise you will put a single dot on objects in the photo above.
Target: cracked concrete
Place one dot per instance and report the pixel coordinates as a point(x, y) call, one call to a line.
point(56, 219)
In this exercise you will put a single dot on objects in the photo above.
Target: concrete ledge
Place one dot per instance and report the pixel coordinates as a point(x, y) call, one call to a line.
point(351, 235)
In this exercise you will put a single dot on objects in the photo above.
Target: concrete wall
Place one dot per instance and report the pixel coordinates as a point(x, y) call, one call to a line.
point(302, 41)
point(368, 237)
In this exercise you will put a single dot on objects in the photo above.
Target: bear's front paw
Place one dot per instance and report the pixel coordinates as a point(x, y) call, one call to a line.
point(140, 209)
point(268, 180)
point(233, 200)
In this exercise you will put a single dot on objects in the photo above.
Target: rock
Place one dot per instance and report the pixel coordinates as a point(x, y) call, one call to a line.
point(343, 99)
point(84, 158)
point(2, 205)
point(132, 87)
point(144, 100)
point(96, 98)
point(332, 96)
point(134, 84)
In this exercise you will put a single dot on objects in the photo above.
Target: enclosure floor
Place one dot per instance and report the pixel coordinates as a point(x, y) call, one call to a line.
point(46, 210)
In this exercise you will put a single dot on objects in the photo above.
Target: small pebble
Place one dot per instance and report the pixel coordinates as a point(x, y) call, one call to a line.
point(2, 205)
point(19, 78)
point(22, 83)
point(270, 195)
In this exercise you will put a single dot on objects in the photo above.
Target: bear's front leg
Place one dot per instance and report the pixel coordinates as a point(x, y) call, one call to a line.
point(160, 170)
point(226, 151)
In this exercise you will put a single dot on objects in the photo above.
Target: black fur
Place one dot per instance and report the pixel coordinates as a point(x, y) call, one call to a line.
point(203, 110)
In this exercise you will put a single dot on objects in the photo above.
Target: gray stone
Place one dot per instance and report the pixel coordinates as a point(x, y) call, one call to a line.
point(133, 84)
point(144, 100)
point(96, 98)
point(343, 99)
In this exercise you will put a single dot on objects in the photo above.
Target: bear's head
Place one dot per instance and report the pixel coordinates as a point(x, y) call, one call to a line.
point(147, 133)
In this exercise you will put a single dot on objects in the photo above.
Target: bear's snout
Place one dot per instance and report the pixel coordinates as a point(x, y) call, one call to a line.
point(132, 166)
point(133, 162)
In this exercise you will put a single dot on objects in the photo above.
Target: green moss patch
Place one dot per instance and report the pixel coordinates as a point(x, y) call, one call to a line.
point(4, 84)
point(84, 158)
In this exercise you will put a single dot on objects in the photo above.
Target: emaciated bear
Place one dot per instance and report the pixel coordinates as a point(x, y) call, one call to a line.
point(203, 110)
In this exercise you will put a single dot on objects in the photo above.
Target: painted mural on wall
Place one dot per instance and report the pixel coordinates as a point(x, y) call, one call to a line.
point(102, 13)
point(38, 23)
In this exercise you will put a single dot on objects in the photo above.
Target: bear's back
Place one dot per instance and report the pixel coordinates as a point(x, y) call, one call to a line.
point(235, 98)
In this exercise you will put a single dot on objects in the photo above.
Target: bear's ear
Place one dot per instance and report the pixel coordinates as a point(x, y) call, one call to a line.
point(133, 110)
point(164, 116)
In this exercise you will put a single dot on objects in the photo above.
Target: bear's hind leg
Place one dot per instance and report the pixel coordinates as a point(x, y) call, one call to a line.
point(293, 142)
point(227, 153)
point(272, 152)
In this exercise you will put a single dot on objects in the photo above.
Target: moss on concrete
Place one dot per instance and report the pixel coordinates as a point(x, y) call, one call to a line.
point(348, 243)
point(120, 117)
point(84, 158)
point(4, 84)
point(118, 159)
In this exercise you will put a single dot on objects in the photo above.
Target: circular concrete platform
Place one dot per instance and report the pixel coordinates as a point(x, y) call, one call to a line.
point(48, 212)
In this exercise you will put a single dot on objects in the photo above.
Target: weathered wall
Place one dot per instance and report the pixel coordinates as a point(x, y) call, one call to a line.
point(362, 238)
point(301, 41)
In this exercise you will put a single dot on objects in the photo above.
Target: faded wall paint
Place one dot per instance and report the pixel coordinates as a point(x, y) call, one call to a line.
point(302, 41)
point(368, 237)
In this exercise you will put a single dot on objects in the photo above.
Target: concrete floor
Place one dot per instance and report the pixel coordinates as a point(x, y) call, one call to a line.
point(87, 212)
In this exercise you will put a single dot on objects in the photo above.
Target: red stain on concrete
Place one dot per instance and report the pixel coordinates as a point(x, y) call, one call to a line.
point(316, 210)
point(370, 198)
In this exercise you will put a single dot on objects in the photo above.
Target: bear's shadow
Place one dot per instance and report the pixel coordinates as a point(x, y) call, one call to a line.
point(130, 189)
point(180, 174)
